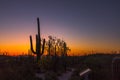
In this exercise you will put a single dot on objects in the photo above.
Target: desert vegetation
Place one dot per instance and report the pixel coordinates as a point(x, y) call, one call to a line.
point(55, 63)
point(25, 68)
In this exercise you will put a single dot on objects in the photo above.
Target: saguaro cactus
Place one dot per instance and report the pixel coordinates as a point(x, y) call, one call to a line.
point(39, 46)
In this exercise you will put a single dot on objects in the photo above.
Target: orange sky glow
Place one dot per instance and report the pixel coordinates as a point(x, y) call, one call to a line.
point(86, 26)
point(18, 44)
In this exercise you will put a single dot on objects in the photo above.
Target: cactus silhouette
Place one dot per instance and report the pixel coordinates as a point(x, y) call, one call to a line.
point(39, 46)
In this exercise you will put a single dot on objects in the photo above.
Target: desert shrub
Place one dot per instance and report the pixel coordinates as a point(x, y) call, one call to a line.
point(38, 78)
point(75, 78)
point(51, 76)
point(46, 63)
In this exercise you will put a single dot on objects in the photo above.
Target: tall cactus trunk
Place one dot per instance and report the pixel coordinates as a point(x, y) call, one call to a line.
point(39, 47)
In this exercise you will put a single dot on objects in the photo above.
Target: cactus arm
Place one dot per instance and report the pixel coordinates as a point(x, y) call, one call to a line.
point(43, 46)
point(31, 45)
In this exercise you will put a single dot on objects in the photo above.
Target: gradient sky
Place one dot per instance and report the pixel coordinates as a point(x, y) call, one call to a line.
point(85, 25)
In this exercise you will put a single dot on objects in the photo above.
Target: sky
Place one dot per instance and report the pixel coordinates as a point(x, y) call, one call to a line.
point(86, 25)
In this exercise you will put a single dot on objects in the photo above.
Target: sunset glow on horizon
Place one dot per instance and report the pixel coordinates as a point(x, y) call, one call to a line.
point(86, 26)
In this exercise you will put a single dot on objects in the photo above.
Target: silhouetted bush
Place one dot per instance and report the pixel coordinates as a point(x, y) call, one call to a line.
point(51, 76)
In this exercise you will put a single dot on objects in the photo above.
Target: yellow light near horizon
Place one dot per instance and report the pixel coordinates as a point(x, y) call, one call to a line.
point(15, 49)
point(21, 44)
